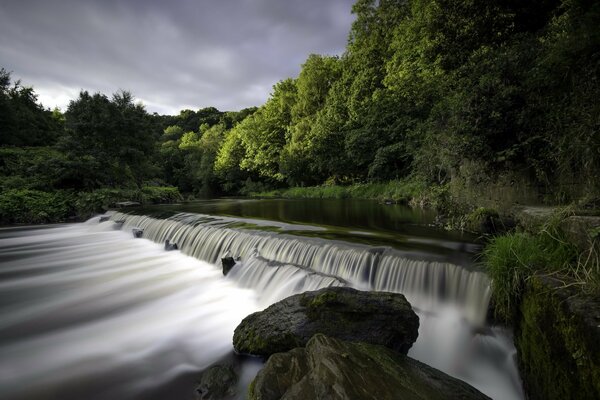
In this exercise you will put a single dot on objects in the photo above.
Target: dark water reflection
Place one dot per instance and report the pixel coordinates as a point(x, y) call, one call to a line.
point(362, 221)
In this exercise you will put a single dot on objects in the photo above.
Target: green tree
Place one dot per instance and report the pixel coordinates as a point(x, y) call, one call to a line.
point(113, 135)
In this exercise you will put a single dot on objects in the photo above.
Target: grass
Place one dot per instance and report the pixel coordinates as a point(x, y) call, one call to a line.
point(407, 191)
point(512, 258)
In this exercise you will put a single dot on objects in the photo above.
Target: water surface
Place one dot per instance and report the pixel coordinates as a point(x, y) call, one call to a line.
point(88, 311)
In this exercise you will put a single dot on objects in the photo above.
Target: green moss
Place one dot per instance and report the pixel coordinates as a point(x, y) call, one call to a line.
point(323, 299)
point(559, 353)
point(482, 220)
point(251, 394)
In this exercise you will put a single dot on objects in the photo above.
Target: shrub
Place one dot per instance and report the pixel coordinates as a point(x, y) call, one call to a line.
point(160, 194)
point(33, 206)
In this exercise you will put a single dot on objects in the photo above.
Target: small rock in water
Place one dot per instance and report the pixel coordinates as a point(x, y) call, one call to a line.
point(170, 246)
point(137, 233)
point(228, 263)
point(104, 218)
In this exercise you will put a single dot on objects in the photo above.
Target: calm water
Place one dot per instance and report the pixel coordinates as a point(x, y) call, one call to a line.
point(359, 221)
point(88, 311)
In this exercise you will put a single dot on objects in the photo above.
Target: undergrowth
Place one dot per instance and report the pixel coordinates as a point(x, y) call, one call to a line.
point(512, 258)
point(409, 191)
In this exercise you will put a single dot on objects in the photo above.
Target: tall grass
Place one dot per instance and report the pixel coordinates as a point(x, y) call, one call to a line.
point(401, 191)
point(512, 258)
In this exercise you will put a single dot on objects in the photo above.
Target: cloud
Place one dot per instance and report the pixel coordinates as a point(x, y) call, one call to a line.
point(170, 55)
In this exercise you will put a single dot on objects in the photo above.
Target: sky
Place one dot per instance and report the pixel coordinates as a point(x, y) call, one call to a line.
point(171, 55)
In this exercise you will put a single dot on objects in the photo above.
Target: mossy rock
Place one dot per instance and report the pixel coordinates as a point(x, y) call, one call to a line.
point(483, 220)
point(333, 369)
point(373, 317)
point(217, 383)
point(557, 336)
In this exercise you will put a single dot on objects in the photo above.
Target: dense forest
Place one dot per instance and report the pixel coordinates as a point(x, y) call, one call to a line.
point(456, 93)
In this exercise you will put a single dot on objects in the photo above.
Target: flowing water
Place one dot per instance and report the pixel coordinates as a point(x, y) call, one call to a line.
point(87, 310)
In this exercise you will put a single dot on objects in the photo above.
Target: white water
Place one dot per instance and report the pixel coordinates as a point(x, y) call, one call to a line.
point(88, 311)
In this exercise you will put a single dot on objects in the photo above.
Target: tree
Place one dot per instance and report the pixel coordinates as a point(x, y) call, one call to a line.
point(113, 134)
point(23, 121)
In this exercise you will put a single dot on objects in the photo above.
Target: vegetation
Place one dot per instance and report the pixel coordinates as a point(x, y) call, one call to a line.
point(397, 191)
point(36, 206)
point(514, 258)
point(430, 100)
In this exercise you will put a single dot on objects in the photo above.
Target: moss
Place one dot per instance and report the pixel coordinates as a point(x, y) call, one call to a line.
point(483, 220)
point(251, 394)
point(558, 352)
point(322, 299)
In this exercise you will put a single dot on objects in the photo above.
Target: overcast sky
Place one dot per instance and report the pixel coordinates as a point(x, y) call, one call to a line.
point(171, 55)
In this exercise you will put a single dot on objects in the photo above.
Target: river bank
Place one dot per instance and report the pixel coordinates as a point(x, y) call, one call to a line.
point(27, 206)
point(533, 255)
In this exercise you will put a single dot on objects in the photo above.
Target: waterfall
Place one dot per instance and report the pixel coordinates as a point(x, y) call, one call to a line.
point(427, 284)
point(90, 311)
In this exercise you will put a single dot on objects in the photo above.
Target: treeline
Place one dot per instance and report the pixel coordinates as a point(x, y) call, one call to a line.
point(437, 90)
point(434, 91)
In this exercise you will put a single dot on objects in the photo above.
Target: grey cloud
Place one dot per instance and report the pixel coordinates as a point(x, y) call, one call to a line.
point(222, 53)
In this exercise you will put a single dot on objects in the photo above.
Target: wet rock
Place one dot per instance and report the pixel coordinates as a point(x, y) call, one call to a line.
point(121, 204)
point(137, 233)
point(557, 336)
point(333, 369)
point(344, 313)
point(170, 246)
point(228, 263)
point(104, 218)
point(217, 383)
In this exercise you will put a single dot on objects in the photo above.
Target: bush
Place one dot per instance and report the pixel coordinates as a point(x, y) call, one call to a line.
point(415, 192)
point(33, 206)
point(159, 194)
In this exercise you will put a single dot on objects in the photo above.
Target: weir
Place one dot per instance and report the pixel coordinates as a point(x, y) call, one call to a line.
point(427, 284)
point(90, 311)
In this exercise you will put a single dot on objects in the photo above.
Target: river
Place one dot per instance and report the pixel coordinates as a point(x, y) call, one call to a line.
point(89, 311)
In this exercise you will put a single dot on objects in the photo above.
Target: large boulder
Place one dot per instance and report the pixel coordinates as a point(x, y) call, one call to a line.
point(344, 313)
point(333, 369)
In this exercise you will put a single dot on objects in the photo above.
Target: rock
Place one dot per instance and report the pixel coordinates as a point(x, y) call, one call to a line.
point(104, 218)
point(341, 312)
point(228, 263)
point(137, 233)
point(217, 382)
point(121, 204)
point(557, 336)
point(583, 231)
point(170, 246)
point(333, 369)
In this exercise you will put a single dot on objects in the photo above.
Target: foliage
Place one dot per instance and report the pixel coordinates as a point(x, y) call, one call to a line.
point(512, 258)
point(36, 206)
point(33, 206)
point(112, 134)
point(23, 121)
point(425, 90)
point(404, 191)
